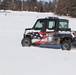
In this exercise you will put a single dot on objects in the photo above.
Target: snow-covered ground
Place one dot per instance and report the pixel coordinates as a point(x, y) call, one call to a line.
point(18, 60)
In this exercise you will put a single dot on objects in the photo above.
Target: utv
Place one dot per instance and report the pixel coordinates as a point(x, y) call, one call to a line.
point(50, 32)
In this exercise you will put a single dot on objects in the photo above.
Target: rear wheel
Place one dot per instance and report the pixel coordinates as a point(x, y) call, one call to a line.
point(26, 41)
point(66, 45)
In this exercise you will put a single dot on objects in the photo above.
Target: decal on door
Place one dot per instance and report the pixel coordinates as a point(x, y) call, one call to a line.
point(42, 37)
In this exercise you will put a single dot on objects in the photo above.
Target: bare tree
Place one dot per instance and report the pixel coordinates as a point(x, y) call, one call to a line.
point(65, 7)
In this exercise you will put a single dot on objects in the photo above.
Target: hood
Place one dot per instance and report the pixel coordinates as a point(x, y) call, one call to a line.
point(28, 28)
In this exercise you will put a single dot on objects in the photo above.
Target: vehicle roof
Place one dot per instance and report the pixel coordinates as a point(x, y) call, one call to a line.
point(53, 18)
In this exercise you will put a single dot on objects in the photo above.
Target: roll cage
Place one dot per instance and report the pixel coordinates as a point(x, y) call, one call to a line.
point(58, 24)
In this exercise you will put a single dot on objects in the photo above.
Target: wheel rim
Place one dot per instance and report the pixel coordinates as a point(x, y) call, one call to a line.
point(26, 42)
point(65, 46)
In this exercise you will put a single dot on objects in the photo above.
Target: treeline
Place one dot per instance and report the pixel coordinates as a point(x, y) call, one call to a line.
point(28, 5)
point(66, 7)
point(60, 7)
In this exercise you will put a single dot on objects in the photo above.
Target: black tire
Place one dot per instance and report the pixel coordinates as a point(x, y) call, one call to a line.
point(26, 42)
point(66, 45)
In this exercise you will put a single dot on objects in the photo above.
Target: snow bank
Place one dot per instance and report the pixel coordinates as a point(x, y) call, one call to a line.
point(18, 60)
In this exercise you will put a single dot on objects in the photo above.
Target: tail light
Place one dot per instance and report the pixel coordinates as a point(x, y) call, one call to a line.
point(73, 33)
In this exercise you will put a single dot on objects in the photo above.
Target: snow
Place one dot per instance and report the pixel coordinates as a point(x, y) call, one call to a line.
point(18, 60)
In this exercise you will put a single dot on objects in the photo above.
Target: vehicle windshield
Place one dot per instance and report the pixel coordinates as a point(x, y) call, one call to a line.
point(63, 24)
point(39, 25)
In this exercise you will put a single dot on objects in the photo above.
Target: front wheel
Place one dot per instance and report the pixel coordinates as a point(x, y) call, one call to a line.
point(26, 41)
point(66, 45)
